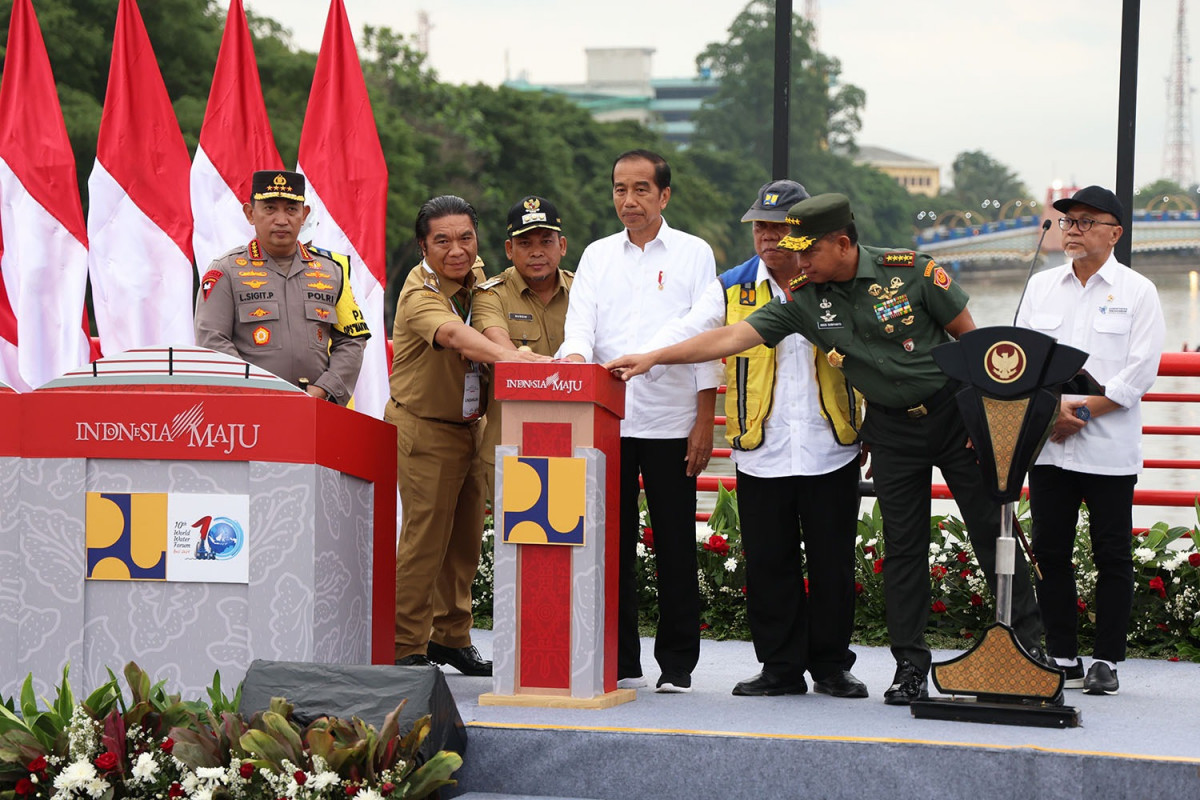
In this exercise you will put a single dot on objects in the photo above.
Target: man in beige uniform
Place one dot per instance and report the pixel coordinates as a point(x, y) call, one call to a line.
point(280, 306)
point(526, 305)
point(438, 400)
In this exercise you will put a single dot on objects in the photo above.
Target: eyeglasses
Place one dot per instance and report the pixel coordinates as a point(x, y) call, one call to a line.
point(1085, 224)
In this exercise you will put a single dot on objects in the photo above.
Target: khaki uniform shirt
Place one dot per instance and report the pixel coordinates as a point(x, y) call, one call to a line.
point(507, 302)
point(883, 323)
point(427, 380)
point(296, 318)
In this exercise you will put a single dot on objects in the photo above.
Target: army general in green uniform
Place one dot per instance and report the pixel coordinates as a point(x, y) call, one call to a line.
point(877, 314)
point(280, 305)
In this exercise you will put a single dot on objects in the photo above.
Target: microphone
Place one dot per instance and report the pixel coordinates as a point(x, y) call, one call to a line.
point(1032, 264)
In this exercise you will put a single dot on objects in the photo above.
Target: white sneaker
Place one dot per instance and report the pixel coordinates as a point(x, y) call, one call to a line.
point(638, 682)
point(675, 683)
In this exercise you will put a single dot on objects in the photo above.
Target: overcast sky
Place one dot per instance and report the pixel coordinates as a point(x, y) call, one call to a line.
point(1033, 84)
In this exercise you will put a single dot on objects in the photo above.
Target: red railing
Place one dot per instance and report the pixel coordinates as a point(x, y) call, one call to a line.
point(1186, 365)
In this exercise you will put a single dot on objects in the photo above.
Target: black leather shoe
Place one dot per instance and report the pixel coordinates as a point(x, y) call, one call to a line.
point(464, 659)
point(415, 660)
point(909, 684)
point(768, 684)
point(841, 684)
point(1100, 679)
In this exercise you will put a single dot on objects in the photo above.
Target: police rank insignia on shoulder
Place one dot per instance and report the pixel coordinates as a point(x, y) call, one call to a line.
point(905, 258)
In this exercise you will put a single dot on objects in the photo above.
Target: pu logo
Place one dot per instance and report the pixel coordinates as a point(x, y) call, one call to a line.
point(544, 500)
point(770, 200)
point(126, 536)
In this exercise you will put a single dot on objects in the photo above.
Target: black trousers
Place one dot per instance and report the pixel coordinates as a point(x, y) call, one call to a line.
point(671, 500)
point(903, 454)
point(1054, 498)
point(794, 630)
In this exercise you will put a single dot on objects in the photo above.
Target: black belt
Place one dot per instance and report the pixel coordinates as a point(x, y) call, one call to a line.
point(923, 408)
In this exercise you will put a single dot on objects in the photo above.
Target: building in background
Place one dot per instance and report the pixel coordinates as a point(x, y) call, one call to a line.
point(620, 87)
point(915, 175)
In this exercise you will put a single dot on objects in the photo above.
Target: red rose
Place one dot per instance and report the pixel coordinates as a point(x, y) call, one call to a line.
point(106, 762)
point(938, 571)
point(246, 770)
point(351, 790)
point(962, 557)
point(938, 607)
point(25, 786)
point(1173, 658)
point(968, 635)
point(717, 544)
point(966, 573)
point(387, 788)
point(300, 777)
point(1194, 559)
point(744, 592)
point(175, 790)
point(1162, 627)
point(878, 566)
point(38, 764)
point(869, 550)
point(1156, 584)
point(168, 744)
point(648, 538)
point(704, 626)
point(858, 588)
point(806, 585)
point(976, 600)
point(1082, 606)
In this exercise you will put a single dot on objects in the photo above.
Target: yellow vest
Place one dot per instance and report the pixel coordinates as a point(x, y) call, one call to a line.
point(750, 374)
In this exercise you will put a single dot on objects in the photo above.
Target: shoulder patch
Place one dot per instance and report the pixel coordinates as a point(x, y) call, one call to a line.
point(930, 267)
point(209, 281)
point(900, 258)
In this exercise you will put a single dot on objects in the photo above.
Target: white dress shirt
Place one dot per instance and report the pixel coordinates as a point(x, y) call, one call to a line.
point(1116, 318)
point(797, 440)
point(622, 295)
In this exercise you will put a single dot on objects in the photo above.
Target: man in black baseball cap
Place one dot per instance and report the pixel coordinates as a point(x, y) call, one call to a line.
point(1094, 455)
point(524, 307)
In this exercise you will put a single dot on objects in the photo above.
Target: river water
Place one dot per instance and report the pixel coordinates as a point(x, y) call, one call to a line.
point(994, 300)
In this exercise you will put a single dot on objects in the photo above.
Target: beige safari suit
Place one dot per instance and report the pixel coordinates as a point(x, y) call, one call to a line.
point(439, 472)
point(281, 316)
point(507, 302)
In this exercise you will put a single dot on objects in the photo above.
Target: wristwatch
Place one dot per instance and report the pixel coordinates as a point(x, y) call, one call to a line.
point(1083, 412)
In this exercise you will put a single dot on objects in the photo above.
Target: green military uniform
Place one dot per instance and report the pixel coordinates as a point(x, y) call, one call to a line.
point(880, 327)
point(294, 317)
point(507, 302)
point(437, 403)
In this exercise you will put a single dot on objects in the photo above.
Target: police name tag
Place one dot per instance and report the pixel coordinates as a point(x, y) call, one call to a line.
point(471, 395)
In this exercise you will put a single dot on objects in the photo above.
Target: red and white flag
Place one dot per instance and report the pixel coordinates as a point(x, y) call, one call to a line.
point(235, 140)
point(139, 216)
point(44, 260)
point(342, 160)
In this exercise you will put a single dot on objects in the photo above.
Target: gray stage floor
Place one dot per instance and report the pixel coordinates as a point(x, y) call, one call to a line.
point(1156, 715)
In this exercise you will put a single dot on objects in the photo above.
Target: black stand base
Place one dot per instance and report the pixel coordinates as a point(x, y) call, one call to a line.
point(968, 710)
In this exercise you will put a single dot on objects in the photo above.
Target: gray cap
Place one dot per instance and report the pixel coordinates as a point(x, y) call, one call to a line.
point(774, 200)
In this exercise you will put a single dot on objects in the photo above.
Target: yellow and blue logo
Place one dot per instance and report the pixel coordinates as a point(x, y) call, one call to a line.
point(126, 536)
point(544, 500)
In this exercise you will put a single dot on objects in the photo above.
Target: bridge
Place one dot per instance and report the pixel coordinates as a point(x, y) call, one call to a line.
point(1158, 233)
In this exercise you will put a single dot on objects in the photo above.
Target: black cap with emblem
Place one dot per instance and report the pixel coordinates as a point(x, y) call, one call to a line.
point(532, 212)
point(813, 218)
point(270, 183)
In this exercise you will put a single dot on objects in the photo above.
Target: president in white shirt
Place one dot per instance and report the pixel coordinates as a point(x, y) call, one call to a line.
point(627, 286)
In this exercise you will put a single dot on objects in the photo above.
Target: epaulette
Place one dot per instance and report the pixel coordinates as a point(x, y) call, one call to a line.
point(897, 258)
point(798, 281)
point(491, 283)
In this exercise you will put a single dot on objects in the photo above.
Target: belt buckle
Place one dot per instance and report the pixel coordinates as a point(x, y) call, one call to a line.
point(917, 411)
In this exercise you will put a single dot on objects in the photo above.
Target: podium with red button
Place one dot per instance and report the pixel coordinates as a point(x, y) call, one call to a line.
point(557, 537)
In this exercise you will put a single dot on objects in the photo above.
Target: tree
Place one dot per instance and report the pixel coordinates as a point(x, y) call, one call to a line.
point(979, 177)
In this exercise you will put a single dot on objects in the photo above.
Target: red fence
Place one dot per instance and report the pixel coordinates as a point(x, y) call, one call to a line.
point(1186, 365)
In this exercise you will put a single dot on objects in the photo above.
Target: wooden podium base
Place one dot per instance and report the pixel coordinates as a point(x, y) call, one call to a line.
point(606, 700)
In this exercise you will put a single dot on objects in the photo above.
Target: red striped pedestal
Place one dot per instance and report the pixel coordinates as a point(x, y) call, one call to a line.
point(556, 545)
